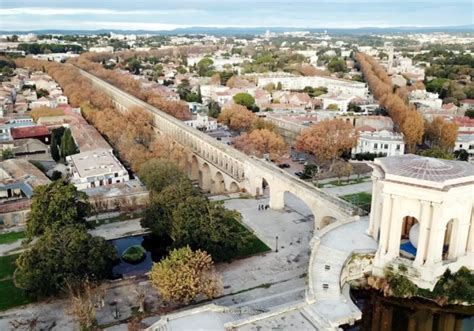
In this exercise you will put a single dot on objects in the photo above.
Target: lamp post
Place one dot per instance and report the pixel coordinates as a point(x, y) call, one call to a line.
point(276, 244)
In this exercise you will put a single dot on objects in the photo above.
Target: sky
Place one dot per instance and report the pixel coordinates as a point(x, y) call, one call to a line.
point(171, 14)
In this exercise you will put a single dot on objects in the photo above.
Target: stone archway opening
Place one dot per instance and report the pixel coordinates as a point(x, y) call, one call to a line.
point(218, 184)
point(194, 170)
point(265, 188)
point(448, 241)
point(409, 237)
point(205, 177)
point(234, 188)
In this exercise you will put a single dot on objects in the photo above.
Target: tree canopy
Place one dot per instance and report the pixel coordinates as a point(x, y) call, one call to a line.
point(157, 174)
point(327, 139)
point(57, 205)
point(244, 99)
point(184, 275)
point(262, 141)
point(62, 255)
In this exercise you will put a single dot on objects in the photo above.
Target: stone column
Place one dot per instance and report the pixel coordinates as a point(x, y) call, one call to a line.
point(425, 224)
point(436, 236)
point(374, 212)
point(277, 198)
point(395, 229)
point(460, 237)
point(385, 223)
point(470, 238)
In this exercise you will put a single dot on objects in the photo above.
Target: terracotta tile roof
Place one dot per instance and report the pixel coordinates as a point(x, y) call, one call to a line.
point(30, 132)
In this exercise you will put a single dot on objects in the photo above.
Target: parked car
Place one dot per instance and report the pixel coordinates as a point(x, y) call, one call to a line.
point(283, 165)
point(299, 173)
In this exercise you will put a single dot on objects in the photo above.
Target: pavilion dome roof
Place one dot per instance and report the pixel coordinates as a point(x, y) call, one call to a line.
point(426, 168)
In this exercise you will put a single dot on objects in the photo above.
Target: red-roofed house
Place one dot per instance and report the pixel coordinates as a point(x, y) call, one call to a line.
point(39, 132)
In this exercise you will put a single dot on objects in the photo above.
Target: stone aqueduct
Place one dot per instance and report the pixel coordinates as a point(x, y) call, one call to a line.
point(220, 168)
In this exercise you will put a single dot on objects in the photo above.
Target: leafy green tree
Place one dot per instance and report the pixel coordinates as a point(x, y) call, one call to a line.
point(436, 85)
point(134, 66)
point(7, 154)
point(57, 205)
point(54, 148)
point(199, 95)
point(206, 225)
point(184, 275)
point(437, 152)
point(205, 67)
point(185, 93)
point(245, 100)
point(214, 109)
point(461, 155)
point(63, 255)
point(469, 113)
point(157, 174)
point(68, 146)
point(158, 214)
point(337, 65)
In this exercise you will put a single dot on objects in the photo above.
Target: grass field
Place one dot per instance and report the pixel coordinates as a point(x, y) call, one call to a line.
point(10, 296)
point(10, 237)
point(254, 246)
point(361, 200)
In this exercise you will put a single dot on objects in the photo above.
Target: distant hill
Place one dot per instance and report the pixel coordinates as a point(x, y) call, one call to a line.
point(235, 31)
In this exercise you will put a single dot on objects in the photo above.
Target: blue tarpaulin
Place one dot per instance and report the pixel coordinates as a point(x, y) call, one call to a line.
point(409, 248)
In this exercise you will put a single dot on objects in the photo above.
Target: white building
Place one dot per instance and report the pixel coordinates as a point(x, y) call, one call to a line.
point(102, 49)
point(202, 122)
point(57, 57)
point(95, 168)
point(341, 101)
point(387, 142)
point(424, 98)
point(333, 85)
point(422, 217)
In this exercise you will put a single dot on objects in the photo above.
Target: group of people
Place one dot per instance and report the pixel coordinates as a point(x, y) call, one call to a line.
point(263, 207)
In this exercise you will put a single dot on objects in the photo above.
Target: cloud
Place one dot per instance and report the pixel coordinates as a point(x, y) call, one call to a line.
point(46, 11)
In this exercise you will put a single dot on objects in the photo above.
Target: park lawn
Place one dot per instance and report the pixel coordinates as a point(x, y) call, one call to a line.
point(10, 296)
point(253, 246)
point(361, 200)
point(7, 266)
point(10, 237)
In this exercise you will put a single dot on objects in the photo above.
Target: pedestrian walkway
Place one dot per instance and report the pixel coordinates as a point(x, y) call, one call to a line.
point(330, 307)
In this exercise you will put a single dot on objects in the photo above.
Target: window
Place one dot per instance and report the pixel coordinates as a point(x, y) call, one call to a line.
point(109, 181)
point(116, 174)
point(398, 147)
point(376, 146)
point(92, 184)
point(385, 146)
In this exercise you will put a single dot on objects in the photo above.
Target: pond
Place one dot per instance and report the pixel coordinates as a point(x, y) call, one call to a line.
point(392, 314)
point(155, 249)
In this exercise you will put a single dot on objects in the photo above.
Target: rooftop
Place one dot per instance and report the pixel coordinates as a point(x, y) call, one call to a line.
point(95, 163)
point(427, 169)
point(29, 132)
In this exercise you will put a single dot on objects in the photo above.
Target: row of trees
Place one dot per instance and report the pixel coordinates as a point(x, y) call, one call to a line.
point(438, 133)
point(127, 83)
point(406, 118)
point(130, 133)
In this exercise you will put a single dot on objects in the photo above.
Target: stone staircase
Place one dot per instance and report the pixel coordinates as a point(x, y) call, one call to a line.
point(331, 308)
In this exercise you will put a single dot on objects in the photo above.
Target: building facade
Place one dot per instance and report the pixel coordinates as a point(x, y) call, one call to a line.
point(95, 168)
point(422, 217)
point(387, 142)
